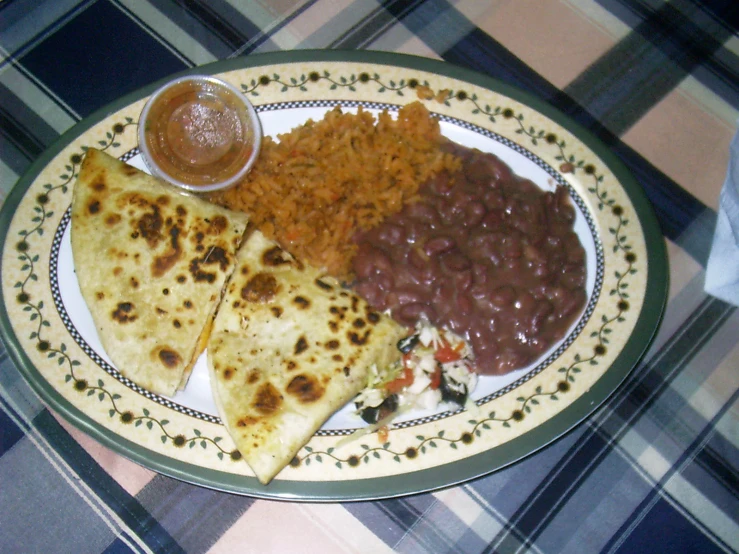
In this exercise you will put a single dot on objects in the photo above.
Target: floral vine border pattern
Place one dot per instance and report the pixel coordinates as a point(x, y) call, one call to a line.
point(367, 453)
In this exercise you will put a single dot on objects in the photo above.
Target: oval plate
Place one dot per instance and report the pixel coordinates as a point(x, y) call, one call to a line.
point(49, 333)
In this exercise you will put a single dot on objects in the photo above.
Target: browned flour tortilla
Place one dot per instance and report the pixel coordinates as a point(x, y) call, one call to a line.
point(152, 264)
point(289, 347)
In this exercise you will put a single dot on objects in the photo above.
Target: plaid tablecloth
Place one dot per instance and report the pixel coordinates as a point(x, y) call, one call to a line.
point(655, 469)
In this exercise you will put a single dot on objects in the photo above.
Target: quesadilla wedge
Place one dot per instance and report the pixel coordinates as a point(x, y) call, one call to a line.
point(151, 264)
point(289, 347)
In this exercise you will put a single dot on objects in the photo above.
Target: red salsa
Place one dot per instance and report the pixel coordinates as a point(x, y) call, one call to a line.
point(198, 132)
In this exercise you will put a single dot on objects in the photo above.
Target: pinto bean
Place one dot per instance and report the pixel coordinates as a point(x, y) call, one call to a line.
point(405, 295)
point(493, 199)
point(455, 261)
point(423, 212)
point(373, 294)
point(409, 314)
point(475, 212)
point(503, 296)
point(391, 234)
point(438, 245)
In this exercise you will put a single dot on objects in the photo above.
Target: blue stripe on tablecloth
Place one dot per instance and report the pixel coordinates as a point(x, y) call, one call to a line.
point(216, 25)
point(719, 459)
point(86, 51)
point(385, 15)
point(635, 531)
point(422, 533)
point(10, 433)
point(436, 22)
point(23, 131)
point(197, 516)
point(677, 534)
point(118, 546)
point(262, 41)
point(416, 524)
point(22, 26)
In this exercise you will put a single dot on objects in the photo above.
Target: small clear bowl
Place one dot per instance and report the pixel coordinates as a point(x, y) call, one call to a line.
point(199, 133)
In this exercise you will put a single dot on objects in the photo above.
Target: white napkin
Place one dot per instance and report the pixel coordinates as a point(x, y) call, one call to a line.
point(722, 272)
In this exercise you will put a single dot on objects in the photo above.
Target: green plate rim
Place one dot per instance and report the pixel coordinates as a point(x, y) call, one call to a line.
point(426, 480)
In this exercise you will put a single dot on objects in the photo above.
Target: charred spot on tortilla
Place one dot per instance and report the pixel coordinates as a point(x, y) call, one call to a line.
point(323, 285)
point(170, 358)
point(359, 323)
point(215, 255)
point(150, 226)
point(275, 256)
point(253, 377)
point(162, 264)
point(268, 399)
point(246, 421)
point(333, 344)
point(112, 220)
point(357, 339)
point(301, 345)
point(262, 287)
point(218, 225)
point(93, 207)
point(291, 365)
point(276, 311)
point(305, 388)
point(301, 302)
point(124, 313)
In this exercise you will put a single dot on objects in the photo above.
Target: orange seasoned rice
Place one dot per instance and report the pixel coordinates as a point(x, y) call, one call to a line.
point(312, 190)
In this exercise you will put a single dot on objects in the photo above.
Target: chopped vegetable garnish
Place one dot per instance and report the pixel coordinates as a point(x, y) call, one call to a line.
point(436, 367)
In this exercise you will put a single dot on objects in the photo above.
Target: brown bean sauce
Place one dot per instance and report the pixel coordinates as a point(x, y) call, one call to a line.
point(484, 253)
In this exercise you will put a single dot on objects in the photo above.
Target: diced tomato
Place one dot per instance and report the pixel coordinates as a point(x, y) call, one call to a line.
point(446, 353)
point(436, 378)
point(405, 379)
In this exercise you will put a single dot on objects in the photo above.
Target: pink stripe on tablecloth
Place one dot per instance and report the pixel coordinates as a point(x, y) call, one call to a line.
point(566, 41)
point(324, 528)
